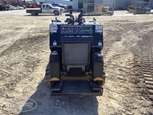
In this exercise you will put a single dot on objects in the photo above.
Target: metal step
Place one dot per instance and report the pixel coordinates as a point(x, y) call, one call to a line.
point(77, 88)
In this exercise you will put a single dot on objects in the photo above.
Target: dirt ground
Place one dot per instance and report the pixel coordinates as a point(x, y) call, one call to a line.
point(24, 54)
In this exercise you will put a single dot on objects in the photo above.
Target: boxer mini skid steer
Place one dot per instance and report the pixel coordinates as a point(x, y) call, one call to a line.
point(76, 62)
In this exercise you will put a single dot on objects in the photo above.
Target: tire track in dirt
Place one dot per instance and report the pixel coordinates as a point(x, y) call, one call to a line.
point(23, 49)
point(18, 66)
point(23, 41)
point(119, 61)
point(144, 61)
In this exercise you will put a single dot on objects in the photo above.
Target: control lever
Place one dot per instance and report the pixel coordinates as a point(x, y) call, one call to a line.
point(71, 19)
point(80, 18)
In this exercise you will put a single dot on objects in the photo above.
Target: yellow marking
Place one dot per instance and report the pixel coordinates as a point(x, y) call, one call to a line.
point(54, 79)
point(75, 78)
point(98, 79)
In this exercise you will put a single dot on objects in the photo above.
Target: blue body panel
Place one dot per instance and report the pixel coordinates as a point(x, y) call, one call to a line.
point(89, 33)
